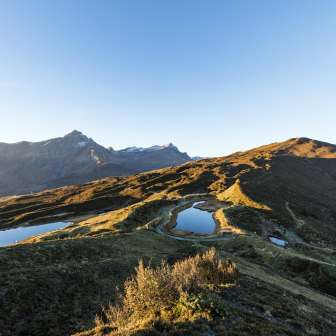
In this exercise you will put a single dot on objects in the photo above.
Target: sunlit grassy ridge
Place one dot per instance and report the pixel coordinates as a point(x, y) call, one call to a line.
point(56, 283)
point(294, 177)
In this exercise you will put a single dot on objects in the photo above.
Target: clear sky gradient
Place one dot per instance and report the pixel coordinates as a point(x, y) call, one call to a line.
point(212, 77)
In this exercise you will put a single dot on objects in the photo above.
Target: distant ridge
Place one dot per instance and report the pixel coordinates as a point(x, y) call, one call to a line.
point(75, 158)
point(283, 187)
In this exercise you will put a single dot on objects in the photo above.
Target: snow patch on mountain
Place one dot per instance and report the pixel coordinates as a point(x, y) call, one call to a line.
point(135, 149)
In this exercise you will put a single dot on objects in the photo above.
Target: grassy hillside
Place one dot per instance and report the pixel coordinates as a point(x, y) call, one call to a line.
point(58, 282)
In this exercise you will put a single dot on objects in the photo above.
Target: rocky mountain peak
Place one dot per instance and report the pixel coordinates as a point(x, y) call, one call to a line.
point(75, 158)
point(78, 139)
point(74, 133)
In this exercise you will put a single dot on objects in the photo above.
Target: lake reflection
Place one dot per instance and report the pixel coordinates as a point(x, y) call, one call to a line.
point(12, 236)
point(195, 220)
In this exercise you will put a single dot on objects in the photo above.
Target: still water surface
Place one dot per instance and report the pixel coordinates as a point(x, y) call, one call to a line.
point(11, 236)
point(195, 220)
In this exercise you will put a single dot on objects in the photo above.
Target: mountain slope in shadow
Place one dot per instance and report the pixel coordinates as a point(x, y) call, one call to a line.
point(34, 166)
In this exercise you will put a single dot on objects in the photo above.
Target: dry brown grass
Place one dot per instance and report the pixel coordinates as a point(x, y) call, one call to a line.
point(204, 270)
point(168, 293)
point(237, 196)
point(225, 225)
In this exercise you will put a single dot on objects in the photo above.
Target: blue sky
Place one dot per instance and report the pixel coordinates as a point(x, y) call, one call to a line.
point(211, 76)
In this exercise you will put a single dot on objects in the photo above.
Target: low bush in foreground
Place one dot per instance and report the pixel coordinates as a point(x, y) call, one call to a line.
point(186, 291)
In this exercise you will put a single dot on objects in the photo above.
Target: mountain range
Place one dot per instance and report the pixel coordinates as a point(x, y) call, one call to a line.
point(63, 282)
point(297, 176)
point(34, 166)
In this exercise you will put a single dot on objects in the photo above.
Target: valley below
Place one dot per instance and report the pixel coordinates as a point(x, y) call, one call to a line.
point(270, 211)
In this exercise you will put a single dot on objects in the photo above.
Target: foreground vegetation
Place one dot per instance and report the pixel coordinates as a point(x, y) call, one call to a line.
point(183, 292)
point(56, 287)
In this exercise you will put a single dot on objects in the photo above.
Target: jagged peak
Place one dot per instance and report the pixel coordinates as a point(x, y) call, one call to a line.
point(151, 148)
point(158, 147)
point(74, 133)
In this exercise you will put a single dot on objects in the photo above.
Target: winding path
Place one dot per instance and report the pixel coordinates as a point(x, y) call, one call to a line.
point(259, 273)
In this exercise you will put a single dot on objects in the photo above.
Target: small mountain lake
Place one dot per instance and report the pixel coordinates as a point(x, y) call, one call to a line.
point(12, 236)
point(196, 221)
point(277, 241)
